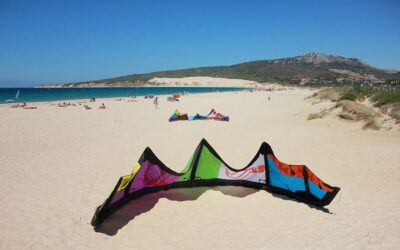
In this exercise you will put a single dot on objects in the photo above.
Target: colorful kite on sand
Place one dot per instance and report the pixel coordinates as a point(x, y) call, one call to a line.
point(213, 115)
point(206, 168)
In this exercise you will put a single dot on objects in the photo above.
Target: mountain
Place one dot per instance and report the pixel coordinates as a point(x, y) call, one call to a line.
point(309, 69)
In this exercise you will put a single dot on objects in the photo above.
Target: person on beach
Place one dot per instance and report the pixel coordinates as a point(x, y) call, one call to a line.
point(155, 102)
point(102, 106)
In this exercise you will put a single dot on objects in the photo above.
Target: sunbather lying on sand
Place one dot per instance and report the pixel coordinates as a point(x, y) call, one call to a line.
point(19, 105)
point(63, 105)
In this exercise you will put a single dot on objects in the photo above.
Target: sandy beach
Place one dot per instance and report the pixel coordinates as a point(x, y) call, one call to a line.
point(58, 164)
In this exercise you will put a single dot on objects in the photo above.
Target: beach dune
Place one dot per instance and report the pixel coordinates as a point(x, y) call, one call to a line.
point(202, 81)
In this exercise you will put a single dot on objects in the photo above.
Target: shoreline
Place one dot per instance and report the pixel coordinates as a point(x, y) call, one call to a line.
point(124, 98)
point(126, 95)
point(139, 86)
point(106, 99)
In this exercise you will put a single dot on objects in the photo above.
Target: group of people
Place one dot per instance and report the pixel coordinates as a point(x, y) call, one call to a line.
point(19, 105)
point(65, 104)
point(23, 105)
point(102, 106)
point(132, 98)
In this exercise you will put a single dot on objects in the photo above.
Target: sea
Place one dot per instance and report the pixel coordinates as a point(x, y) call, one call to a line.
point(8, 95)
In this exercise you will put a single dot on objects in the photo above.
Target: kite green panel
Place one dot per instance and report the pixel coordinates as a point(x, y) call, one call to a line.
point(208, 166)
point(186, 176)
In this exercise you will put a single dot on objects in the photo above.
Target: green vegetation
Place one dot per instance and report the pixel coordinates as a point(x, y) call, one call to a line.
point(294, 70)
point(379, 97)
point(393, 81)
point(383, 98)
point(313, 116)
point(356, 111)
point(348, 99)
point(371, 124)
point(317, 115)
point(331, 94)
point(355, 94)
point(349, 95)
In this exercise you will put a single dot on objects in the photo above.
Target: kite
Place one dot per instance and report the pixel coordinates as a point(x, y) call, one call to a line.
point(177, 115)
point(206, 168)
point(198, 117)
point(213, 115)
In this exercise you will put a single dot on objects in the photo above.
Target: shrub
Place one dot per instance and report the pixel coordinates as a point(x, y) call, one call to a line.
point(371, 124)
point(352, 96)
point(313, 116)
point(385, 98)
point(331, 94)
point(357, 110)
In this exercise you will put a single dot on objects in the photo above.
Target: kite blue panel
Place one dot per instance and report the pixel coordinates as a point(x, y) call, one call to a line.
point(278, 179)
point(315, 190)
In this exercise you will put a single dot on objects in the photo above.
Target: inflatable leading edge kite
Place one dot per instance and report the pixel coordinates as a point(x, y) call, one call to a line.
point(206, 168)
point(177, 116)
point(213, 115)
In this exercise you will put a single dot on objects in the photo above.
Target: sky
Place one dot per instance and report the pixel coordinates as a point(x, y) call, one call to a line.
point(58, 41)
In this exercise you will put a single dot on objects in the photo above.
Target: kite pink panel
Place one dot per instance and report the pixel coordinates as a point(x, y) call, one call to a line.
point(150, 175)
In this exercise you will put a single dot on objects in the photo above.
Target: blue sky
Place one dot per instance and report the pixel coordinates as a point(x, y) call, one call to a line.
point(68, 41)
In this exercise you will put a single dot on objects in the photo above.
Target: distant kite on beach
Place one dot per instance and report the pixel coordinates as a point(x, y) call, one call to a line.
point(177, 115)
point(212, 115)
point(206, 168)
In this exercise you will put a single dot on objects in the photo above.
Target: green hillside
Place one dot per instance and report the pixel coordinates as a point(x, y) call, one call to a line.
point(309, 69)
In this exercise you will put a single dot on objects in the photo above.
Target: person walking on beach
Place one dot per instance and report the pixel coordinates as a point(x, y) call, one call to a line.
point(155, 102)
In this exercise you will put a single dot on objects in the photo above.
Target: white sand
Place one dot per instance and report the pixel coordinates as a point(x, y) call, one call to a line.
point(58, 164)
